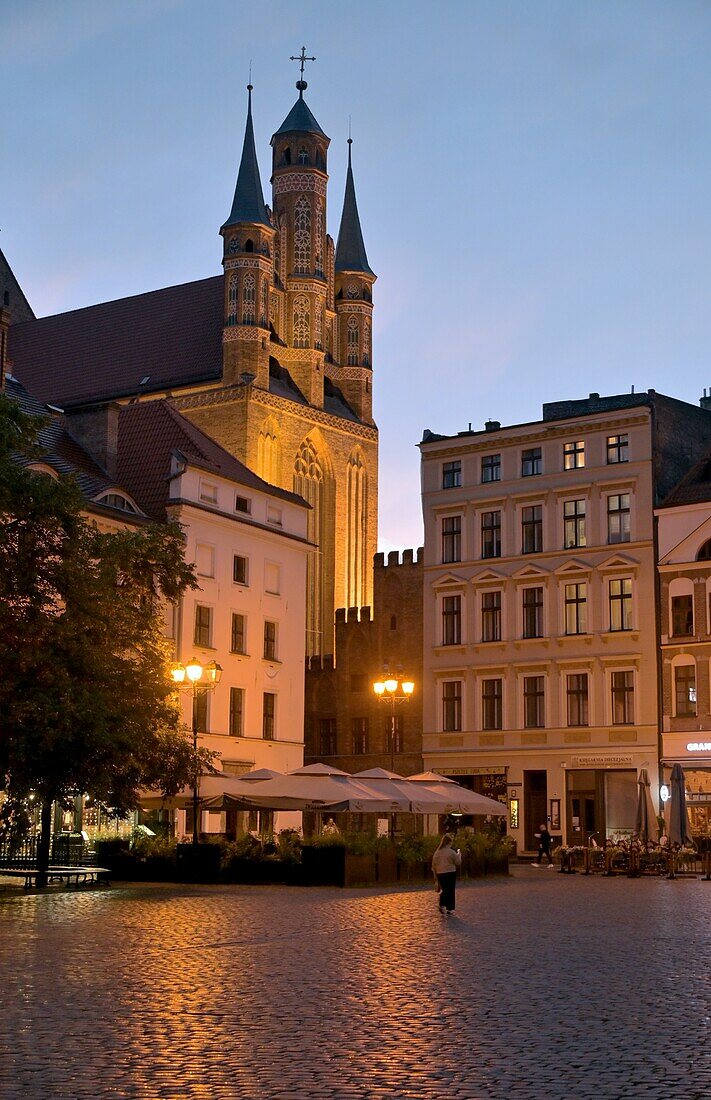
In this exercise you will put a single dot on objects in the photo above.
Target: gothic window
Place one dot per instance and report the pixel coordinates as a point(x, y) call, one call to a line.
point(309, 484)
point(249, 245)
point(269, 452)
point(264, 312)
point(319, 237)
point(357, 526)
point(302, 321)
point(248, 294)
point(352, 291)
point(232, 300)
point(352, 342)
point(232, 247)
point(366, 343)
point(302, 236)
point(303, 156)
point(318, 333)
point(287, 155)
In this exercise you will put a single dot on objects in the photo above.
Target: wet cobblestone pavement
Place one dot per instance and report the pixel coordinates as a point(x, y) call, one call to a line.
point(542, 986)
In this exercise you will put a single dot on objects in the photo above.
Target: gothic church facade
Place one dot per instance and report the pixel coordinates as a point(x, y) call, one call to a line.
point(273, 359)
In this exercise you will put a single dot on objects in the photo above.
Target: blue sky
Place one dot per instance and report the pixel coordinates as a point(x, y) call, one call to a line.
point(533, 181)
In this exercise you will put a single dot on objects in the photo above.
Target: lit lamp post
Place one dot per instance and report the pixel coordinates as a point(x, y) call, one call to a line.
point(393, 690)
point(196, 677)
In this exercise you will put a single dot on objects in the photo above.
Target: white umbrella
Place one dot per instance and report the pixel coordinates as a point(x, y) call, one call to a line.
point(416, 798)
point(458, 798)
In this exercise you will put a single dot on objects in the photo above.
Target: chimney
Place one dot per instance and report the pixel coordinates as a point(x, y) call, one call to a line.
point(705, 401)
point(95, 427)
point(492, 425)
point(4, 327)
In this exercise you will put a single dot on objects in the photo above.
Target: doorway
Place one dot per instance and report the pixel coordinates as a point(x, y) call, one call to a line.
point(535, 806)
point(585, 804)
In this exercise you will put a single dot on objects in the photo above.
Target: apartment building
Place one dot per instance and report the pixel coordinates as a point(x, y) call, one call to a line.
point(540, 654)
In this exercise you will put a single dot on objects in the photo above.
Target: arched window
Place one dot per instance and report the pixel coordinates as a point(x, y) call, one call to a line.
point(302, 321)
point(248, 294)
point(264, 312)
point(287, 155)
point(303, 156)
point(309, 484)
point(318, 327)
point(302, 236)
point(232, 300)
point(249, 245)
point(704, 553)
point(352, 342)
point(356, 529)
point(366, 344)
point(269, 452)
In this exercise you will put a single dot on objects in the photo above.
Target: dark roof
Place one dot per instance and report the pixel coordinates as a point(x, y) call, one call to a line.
point(334, 401)
point(104, 351)
point(150, 432)
point(299, 120)
point(350, 250)
point(695, 488)
point(11, 295)
point(248, 203)
point(59, 450)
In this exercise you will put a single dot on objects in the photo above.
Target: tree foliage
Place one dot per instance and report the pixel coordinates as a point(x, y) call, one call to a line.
point(85, 700)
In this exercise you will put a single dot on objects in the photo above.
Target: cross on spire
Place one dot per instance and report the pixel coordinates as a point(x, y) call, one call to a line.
point(302, 59)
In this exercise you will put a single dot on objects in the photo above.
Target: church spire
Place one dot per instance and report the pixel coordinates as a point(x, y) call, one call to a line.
point(350, 250)
point(248, 203)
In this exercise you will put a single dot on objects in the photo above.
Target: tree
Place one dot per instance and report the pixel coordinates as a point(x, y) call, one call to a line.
point(86, 704)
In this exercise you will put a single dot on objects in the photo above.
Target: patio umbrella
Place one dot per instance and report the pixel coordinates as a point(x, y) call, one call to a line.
point(416, 798)
point(679, 829)
point(308, 790)
point(458, 799)
point(210, 791)
point(645, 824)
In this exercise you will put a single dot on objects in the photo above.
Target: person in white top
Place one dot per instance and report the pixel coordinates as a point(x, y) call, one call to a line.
point(444, 867)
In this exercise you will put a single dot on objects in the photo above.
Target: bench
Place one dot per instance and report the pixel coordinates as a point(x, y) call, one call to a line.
point(82, 876)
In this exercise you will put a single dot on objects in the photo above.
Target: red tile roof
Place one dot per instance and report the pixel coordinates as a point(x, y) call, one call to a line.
point(173, 335)
point(149, 433)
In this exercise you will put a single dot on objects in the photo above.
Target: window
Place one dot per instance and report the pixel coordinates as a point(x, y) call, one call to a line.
point(533, 702)
point(204, 560)
point(394, 733)
point(574, 524)
point(237, 636)
point(704, 553)
point(577, 699)
point(621, 604)
point(302, 238)
point(618, 518)
point(236, 712)
point(574, 455)
point(532, 529)
point(576, 616)
point(617, 449)
point(452, 706)
point(240, 571)
point(451, 475)
point(232, 294)
point(274, 515)
point(533, 612)
point(303, 156)
point(682, 608)
point(491, 468)
point(491, 617)
point(492, 704)
point(531, 462)
point(268, 715)
point(452, 539)
point(685, 690)
point(491, 534)
point(327, 737)
point(353, 342)
point(248, 295)
point(202, 711)
point(208, 492)
point(202, 635)
point(451, 620)
point(113, 500)
point(270, 641)
point(301, 321)
point(359, 733)
point(243, 504)
point(272, 578)
point(622, 684)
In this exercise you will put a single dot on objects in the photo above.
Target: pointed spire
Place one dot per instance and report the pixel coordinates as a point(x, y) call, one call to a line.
point(350, 250)
point(248, 203)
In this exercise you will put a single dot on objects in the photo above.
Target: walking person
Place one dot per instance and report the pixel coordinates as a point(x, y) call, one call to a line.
point(444, 867)
point(544, 847)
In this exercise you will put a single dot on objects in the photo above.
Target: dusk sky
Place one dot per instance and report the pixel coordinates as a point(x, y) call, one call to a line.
point(533, 181)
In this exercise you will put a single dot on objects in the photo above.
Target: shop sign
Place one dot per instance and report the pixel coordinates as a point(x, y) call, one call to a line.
point(699, 746)
point(494, 770)
point(612, 761)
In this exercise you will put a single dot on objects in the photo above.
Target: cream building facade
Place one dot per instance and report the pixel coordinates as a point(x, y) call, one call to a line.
point(540, 655)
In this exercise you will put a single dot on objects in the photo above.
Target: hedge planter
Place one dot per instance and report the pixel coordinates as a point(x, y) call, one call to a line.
point(198, 862)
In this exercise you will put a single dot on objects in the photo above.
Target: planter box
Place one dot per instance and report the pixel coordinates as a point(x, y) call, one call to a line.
point(198, 863)
point(360, 870)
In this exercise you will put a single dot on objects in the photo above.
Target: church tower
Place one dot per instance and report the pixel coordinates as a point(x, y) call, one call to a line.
point(248, 237)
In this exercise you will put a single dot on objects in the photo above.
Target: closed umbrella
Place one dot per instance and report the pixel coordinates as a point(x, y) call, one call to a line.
point(679, 828)
point(645, 825)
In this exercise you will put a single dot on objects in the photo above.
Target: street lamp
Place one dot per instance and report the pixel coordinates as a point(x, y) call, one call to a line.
point(199, 678)
point(393, 690)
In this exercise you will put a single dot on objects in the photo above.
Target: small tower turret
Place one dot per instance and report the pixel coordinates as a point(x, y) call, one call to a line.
point(354, 305)
point(248, 237)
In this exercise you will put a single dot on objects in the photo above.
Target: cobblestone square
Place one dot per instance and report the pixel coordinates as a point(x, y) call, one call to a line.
point(541, 986)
